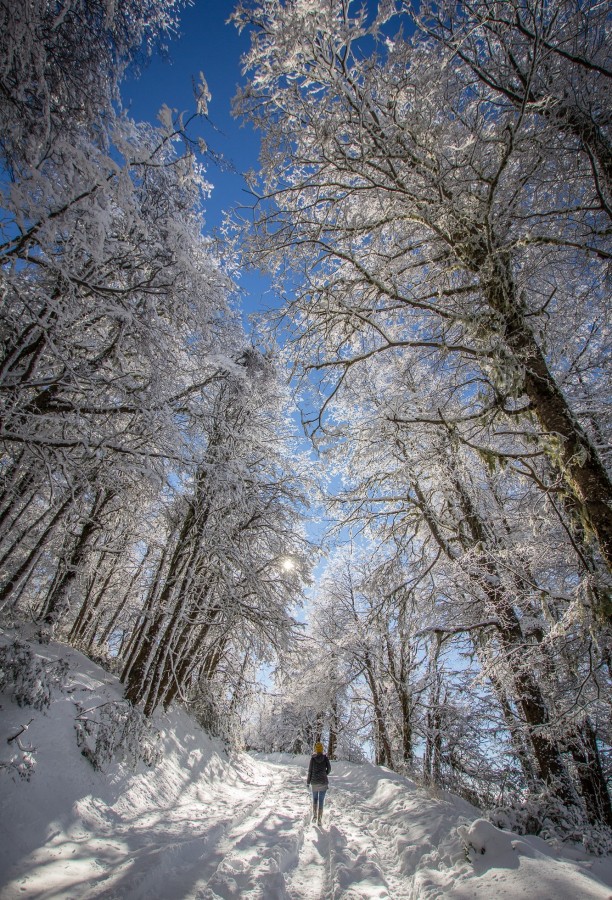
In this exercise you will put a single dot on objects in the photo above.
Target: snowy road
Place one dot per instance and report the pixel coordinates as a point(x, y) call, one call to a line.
point(255, 841)
point(205, 826)
point(243, 830)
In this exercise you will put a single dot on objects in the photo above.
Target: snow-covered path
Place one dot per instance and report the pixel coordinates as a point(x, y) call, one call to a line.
point(243, 830)
point(237, 831)
point(207, 826)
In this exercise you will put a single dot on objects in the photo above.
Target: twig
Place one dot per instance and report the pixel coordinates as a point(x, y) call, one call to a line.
point(19, 733)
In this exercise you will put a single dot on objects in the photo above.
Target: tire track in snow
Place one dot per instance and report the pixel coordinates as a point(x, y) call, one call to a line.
point(371, 855)
point(253, 857)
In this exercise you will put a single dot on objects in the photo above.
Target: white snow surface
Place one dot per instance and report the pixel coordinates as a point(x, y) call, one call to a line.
point(207, 824)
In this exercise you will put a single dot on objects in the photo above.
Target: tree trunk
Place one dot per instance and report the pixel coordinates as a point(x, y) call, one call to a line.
point(24, 569)
point(14, 476)
point(162, 670)
point(432, 757)
point(594, 786)
point(17, 539)
point(334, 724)
point(569, 448)
point(400, 680)
point(186, 659)
point(121, 606)
point(182, 562)
point(551, 768)
point(383, 749)
point(516, 732)
point(80, 616)
point(20, 538)
point(132, 650)
point(136, 675)
point(52, 609)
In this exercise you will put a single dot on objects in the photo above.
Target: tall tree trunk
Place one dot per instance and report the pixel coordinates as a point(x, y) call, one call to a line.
point(593, 783)
point(19, 538)
point(400, 683)
point(334, 728)
point(179, 571)
point(187, 655)
point(74, 633)
point(551, 767)
point(211, 661)
point(516, 731)
point(122, 604)
point(384, 753)
point(11, 530)
point(25, 567)
point(432, 757)
point(91, 609)
point(162, 669)
point(157, 630)
point(13, 476)
point(133, 646)
point(569, 448)
point(53, 607)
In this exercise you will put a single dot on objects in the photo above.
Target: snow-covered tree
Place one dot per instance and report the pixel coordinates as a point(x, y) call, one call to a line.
point(433, 204)
point(115, 311)
point(126, 393)
point(238, 556)
point(552, 59)
point(61, 69)
point(405, 208)
point(469, 544)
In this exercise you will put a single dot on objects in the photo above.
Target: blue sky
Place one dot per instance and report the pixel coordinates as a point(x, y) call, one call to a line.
point(206, 44)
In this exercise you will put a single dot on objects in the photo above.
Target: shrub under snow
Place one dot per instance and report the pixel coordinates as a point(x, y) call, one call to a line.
point(116, 731)
point(29, 678)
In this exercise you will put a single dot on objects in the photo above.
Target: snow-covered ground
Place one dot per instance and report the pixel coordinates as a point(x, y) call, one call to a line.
point(207, 825)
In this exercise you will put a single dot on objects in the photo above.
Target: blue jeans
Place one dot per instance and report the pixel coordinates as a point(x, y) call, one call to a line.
point(318, 795)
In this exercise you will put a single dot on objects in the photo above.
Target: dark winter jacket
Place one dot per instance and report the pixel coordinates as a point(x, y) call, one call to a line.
point(318, 770)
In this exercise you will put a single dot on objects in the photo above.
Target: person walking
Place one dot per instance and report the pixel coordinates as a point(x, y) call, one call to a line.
point(318, 770)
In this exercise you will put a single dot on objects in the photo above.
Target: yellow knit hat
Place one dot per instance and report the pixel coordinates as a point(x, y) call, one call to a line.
point(318, 747)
